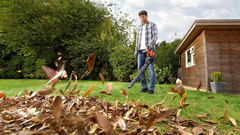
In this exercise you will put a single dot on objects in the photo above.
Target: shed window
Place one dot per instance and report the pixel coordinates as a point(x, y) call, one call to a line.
point(190, 57)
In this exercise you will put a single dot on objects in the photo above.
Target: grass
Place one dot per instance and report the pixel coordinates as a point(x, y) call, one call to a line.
point(199, 101)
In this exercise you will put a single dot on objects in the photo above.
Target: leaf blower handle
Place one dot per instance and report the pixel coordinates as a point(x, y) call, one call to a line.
point(150, 52)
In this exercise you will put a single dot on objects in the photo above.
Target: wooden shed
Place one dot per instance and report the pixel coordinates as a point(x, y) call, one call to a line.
point(211, 45)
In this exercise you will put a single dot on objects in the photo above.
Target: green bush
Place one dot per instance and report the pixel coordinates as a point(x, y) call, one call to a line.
point(123, 62)
point(163, 74)
point(8, 74)
point(39, 73)
point(28, 67)
point(216, 76)
point(165, 56)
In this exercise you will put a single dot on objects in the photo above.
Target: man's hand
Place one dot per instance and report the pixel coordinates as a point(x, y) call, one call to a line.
point(150, 53)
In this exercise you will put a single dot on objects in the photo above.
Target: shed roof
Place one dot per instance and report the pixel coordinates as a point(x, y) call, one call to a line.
point(201, 24)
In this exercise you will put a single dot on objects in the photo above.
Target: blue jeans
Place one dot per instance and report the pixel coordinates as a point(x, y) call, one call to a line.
point(141, 61)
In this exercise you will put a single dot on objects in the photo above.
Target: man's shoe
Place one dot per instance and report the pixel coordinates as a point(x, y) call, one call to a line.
point(144, 90)
point(150, 92)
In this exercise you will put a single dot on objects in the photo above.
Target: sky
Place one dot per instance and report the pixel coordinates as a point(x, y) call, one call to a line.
point(174, 17)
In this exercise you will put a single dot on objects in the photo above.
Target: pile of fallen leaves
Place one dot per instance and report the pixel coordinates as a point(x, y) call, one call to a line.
point(75, 114)
point(47, 114)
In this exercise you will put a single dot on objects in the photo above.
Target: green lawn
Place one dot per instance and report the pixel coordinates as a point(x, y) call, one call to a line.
point(199, 101)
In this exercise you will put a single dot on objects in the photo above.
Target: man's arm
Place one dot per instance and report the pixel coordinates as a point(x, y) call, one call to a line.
point(151, 44)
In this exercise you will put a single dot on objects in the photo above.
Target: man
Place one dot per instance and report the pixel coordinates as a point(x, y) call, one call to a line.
point(147, 35)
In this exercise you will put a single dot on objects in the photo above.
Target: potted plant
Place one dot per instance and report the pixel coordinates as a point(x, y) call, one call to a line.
point(217, 85)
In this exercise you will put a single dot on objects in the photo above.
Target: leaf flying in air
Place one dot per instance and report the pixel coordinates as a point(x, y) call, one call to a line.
point(91, 62)
point(89, 90)
point(101, 77)
point(124, 93)
point(45, 91)
point(2, 95)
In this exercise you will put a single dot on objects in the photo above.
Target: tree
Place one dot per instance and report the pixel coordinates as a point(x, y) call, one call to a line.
point(35, 30)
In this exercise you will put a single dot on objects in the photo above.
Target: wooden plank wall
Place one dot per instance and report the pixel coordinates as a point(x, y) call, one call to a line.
point(223, 48)
point(194, 75)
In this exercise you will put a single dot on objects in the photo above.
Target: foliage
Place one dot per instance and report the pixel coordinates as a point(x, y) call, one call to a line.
point(216, 76)
point(163, 74)
point(35, 30)
point(122, 61)
point(166, 56)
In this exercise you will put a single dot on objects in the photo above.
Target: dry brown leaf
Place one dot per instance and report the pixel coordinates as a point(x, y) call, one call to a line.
point(151, 110)
point(109, 87)
point(45, 91)
point(226, 101)
point(93, 128)
point(60, 73)
point(161, 103)
point(181, 90)
point(89, 90)
point(233, 121)
point(2, 95)
point(129, 112)
point(178, 115)
point(150, 122)
point(28, 132)
point(203, 115)
point(238, 130)
point(174, 97)
point(64, 74)
point(210, 97)
point(173, 89)
point(197, 130)
point(161, 115)
point(121, 122)
point(183, 99)
point(69, 82)
point(57, 107)
point(54, 75)
point(25, 92)
point(49, 72)
point(123, 91)
point(75, 83)
point(170, 93)
point(209, 121)
point(105, 92)
point(225, 115)
point(199, 85)
point(101, 77)
point(90, 62)
point(183, 132)
point(104, 123)
point(212, 131)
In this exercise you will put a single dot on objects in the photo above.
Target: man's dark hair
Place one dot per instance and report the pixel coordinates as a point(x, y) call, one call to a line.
point(143, 12)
